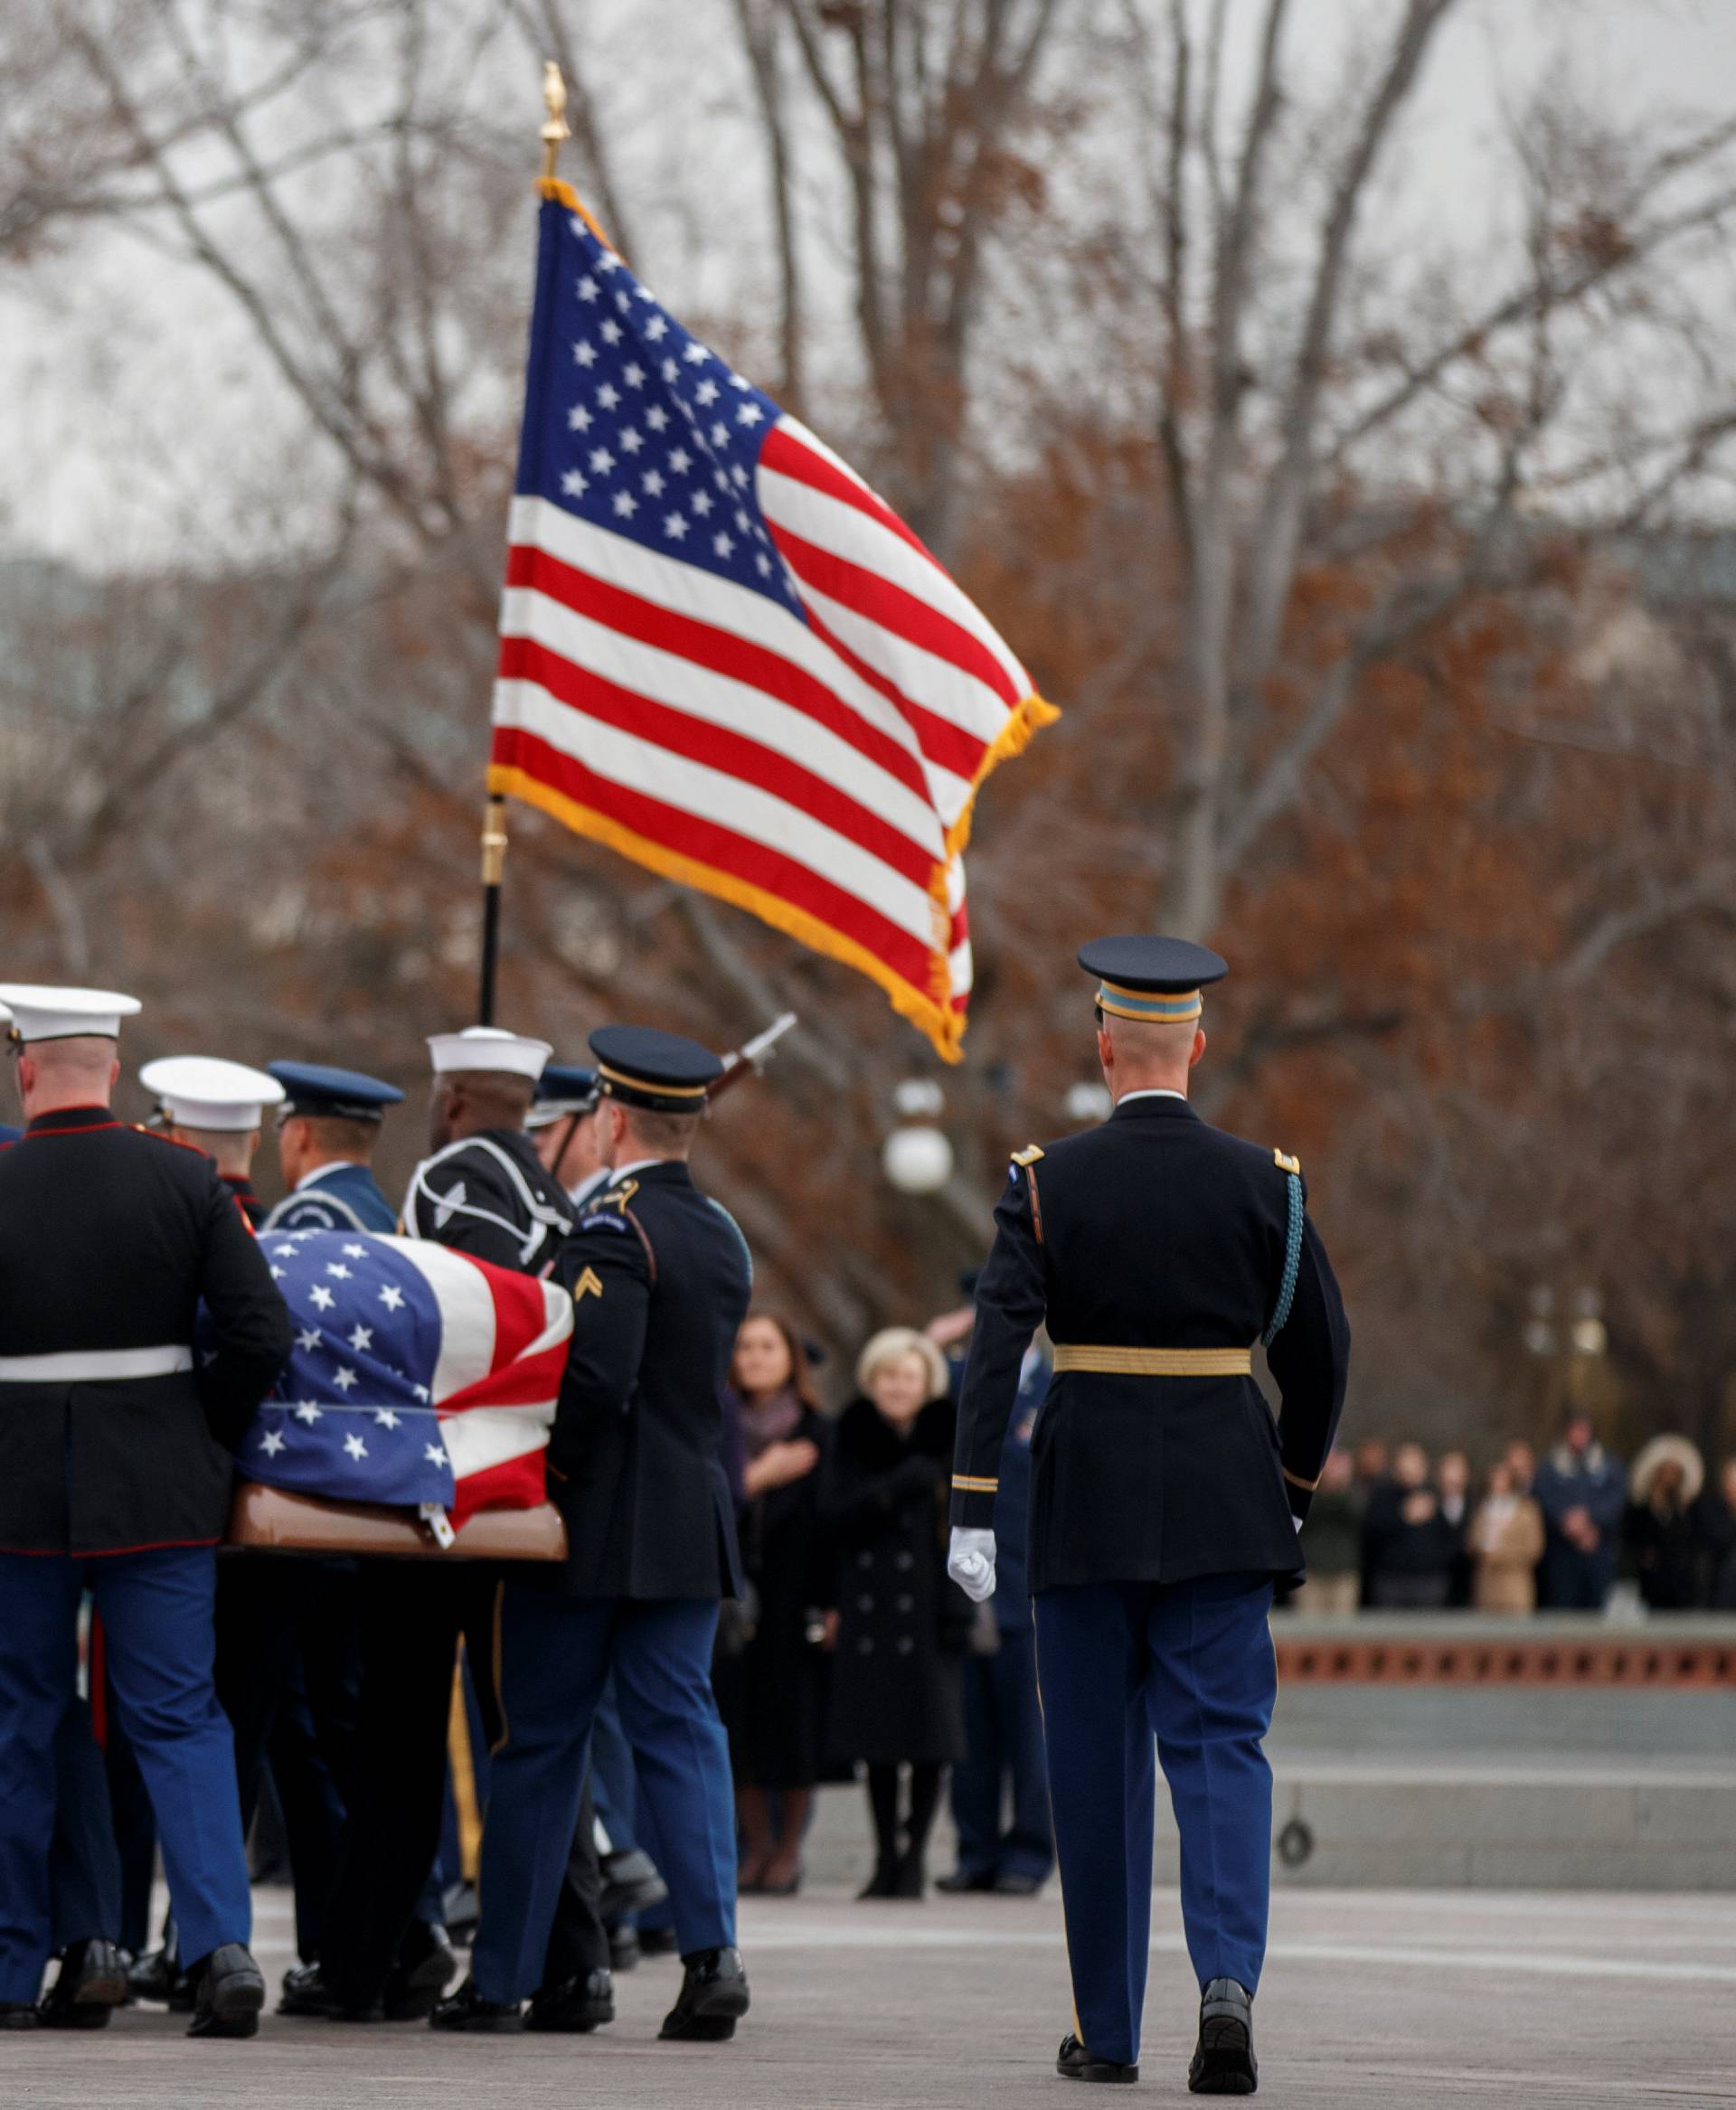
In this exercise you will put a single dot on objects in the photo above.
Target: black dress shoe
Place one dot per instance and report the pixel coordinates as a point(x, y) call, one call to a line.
point(659, 1941)
point(426, 1966)
point(1223, 2063)
point(229, 1990)
point(305, 1993)
point(91, 1985)
point(576, 2007)
point(157, 1976)
point(911, 1877)
point(963, 1881)
point(630, 1884)
point(1074, 2063)
point(625, 1949)
point(18, 2014)
point(1011, 1883)
point(882, 1883)
point(468, 2010)
point(713, 1998)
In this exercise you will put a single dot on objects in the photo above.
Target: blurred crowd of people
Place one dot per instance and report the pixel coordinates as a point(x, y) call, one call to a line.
point(850, 1652)
point(1391, 1530)
point(853, 1655)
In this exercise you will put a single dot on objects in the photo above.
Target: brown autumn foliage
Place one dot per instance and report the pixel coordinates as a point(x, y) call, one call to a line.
point(1359, 683)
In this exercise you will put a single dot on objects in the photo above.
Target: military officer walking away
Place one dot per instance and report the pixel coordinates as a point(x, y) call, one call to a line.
point(327, 1127)
point(1164, 1498)
point(216, 1106)
point(660, 1279)
point(116, 1477)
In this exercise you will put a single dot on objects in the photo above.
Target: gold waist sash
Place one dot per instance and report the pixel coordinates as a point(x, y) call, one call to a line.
point(1157, 1362)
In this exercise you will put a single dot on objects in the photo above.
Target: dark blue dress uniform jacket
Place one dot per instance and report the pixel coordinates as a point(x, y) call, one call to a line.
point(110, 1239)
point(1153, 1231)
point(339, 1197)
point(660, 1279)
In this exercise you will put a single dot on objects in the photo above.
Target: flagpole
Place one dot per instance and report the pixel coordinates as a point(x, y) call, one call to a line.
point(493, 817)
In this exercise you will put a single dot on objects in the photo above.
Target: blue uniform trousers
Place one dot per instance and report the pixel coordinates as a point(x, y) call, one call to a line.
point(612, 1786)
point(157, 1611)
point(1003, 1738)
point(555, 1654)
point(1191, 1665)
point(84, 1863)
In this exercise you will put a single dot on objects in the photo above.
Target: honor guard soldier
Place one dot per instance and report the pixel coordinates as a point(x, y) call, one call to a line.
point(660, 1279)
point(1166, 1499)
point(327, 1127)
point(483, 1191)
point(562, 1123)
point(118, 1478)
point(216, 1106)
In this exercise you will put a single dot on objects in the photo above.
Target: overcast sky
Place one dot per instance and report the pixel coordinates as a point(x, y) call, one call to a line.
point(136, 416)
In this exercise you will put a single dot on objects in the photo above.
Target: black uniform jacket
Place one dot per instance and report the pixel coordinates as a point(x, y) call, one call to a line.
point(660, 1279)
point(1153, 1231)
point(111, 1237)
point(487, 1195)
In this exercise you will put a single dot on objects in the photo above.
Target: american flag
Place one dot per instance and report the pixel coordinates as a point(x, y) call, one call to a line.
point(419, 1377)
point(723, 655)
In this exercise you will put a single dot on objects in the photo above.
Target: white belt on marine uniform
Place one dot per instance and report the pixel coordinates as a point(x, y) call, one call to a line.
point(94, 1366)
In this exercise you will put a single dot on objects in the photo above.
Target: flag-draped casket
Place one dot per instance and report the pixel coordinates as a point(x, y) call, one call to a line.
point(422, 1383)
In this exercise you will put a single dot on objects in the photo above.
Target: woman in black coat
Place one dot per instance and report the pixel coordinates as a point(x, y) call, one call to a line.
point(770, 1688)
point(902, 1625)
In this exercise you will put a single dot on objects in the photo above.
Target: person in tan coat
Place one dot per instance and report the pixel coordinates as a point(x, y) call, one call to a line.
point(1507, 1542)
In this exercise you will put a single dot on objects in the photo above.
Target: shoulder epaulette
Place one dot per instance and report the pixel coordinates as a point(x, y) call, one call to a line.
point(1286, 1164)
point(1028, 1155)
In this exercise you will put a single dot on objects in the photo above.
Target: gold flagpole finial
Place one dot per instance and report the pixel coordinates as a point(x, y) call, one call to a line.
point(554, 96)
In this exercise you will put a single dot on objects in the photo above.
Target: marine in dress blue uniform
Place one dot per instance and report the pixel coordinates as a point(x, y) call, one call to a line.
point(660, 1279)
point(1165, 1497)
point(327, 1127)
point(114, 1473)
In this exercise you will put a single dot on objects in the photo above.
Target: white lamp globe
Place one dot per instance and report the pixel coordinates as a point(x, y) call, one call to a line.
point(916, 1161)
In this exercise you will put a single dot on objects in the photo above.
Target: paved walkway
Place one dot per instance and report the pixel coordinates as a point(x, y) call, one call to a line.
point(1373, 1997)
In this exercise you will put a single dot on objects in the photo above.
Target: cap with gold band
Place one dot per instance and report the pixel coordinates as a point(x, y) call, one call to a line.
point(42, 1013)
point(1154, 981)
point(663, 1072)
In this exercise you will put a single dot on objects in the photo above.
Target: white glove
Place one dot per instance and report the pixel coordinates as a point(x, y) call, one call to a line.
point(970, 1562)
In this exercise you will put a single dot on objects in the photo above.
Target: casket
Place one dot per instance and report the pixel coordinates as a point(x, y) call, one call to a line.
point(273, 1519)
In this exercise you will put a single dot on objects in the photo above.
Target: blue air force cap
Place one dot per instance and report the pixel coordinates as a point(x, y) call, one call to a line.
point(663, 1072)
point(317, 1089)
point(563, 1088)
point(1158, 980)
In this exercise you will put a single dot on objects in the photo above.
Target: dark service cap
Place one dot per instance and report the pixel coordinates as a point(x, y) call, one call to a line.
point(316, 1088)
point(563, 1088)
point(1155, 979)
point(663, 1072)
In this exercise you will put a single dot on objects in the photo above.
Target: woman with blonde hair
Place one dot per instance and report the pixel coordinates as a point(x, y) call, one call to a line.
point(901, 1624)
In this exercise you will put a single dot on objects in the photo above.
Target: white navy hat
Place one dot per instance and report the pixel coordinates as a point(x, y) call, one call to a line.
point(203, 1091)
point(488, 1047)
point(42, 1014)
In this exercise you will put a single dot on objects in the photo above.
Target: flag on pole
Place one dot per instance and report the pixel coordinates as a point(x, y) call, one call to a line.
point(725, 657)
point(419, 1376)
